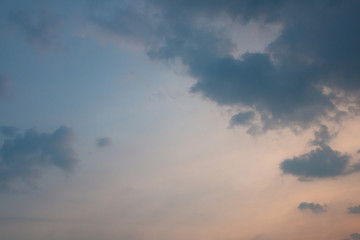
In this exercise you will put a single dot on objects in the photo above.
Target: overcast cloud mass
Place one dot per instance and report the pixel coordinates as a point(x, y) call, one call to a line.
point(179, 119)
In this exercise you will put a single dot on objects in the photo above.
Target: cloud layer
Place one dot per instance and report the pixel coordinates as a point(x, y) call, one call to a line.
point(26, 157)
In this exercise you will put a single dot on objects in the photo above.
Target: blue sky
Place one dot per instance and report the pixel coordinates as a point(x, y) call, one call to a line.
point(155, 119)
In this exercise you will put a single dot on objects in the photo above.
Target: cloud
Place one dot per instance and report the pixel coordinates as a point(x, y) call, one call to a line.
point(301, 78)
point(243, 118)
point(8, 131)
point(258, 237)
point(353, 236)
point(103, 142)
point(354, 210)
point(127, 23)
point(26, 157)
point(313, 207)
point(322, 136)
point(322, 162)
point(38, 27)
point(3, 84)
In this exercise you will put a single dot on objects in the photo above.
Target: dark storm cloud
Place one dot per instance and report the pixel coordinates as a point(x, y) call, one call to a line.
point(354, 210)
point(322, 162)
point(353, 236)
point(103, 142)
point(26, 157)
point(300, 79)
point(313, 207)
point(38, 26)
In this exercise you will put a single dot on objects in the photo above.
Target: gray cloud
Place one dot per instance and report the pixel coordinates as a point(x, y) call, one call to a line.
point(26, 157)
point(258, 237)
point(354, 210)
point(243, 118)
point(313, 207)
point(103, 142)
point(322, 162)
point(302, 76)
point(3, 84)
point(322, 136)
point(128, 23)
point(8, 131)
point(353, 236)
point(38, 27)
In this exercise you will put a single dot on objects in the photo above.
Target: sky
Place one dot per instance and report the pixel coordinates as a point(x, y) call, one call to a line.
point(179, 119)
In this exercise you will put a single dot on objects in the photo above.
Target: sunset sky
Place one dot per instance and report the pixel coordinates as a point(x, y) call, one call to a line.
point(179, 119)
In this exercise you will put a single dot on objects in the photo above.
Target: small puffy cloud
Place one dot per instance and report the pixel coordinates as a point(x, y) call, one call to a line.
point(354, 210)
point(353, 236)
point(313, 207)
point(322, 162)
point(103, 142)
point(26, 157)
